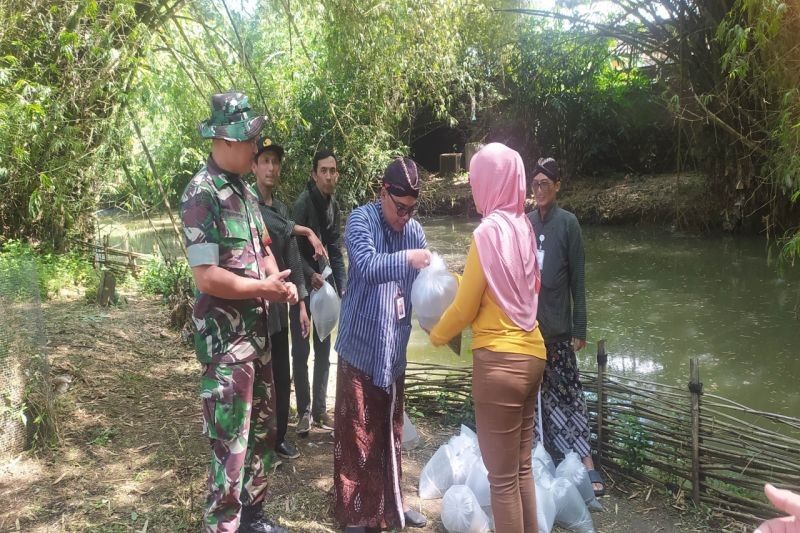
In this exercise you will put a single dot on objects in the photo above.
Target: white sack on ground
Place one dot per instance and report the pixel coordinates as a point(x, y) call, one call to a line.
point(437, 475)
point(540, 453)
point(432, 292)
point(545, 509)
point(461, 512)
point(571, 510)
point(410, 435)
point(467, 432)
point(462, 456)
point(478, 482)
point(573, 469)
point(541, 474)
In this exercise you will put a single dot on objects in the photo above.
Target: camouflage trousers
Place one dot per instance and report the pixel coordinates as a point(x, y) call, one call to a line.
point(239, 419)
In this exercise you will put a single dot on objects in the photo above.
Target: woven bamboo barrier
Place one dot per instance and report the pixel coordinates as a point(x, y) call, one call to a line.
point(113, 259)
point(718, 451)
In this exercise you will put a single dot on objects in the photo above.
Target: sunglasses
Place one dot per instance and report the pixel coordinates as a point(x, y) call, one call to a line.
point(403, 210)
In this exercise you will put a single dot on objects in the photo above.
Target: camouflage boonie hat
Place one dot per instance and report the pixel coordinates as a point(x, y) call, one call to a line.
point(232, 119)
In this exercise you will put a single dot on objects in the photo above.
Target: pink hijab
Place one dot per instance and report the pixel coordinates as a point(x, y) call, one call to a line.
point(505, 238)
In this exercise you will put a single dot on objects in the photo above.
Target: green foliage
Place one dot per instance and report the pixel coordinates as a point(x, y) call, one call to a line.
point(54, 271)
point(64, 68)
point(586, 105)
point(166, 277)
point(633, 438)
point(370, 79)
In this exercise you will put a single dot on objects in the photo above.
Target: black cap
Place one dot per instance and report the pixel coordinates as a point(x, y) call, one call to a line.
point(401, 177)
point(265, 143)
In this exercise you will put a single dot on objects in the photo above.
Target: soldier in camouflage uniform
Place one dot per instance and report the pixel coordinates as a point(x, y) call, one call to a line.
point(236, 276)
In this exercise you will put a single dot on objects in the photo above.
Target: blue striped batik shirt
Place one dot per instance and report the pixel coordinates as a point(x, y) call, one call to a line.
point(371, 338)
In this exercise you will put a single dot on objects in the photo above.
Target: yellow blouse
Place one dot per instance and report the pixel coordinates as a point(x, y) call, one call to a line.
point(491, 327)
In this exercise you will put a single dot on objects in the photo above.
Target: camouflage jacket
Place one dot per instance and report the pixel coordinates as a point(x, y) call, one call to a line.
point(223, 226)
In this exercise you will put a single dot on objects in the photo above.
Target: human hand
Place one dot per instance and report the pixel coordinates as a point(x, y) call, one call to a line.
point(578, 344)
point(317, 281)
point(786, 501)
point(419, 258)
point(292, 293)
point(305, 322)
point(319, 249)
point(275, 287)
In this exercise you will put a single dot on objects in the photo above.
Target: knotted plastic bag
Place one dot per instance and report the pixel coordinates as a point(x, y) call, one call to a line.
point(463, 454)
point(571, 510)
point(573, 469)
point(541, 454)
point(461, 512)
point(432, 292)
point(410, 435)
point(325, 306)
point(545, 508)
point(437, 475)
point(478, 483)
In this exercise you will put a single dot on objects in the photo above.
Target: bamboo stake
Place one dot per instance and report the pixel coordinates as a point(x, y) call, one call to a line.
point(156, 178)
point(602, 361)
point(696, 389)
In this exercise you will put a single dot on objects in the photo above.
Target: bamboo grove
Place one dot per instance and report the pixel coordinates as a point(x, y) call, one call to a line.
point(100, 99)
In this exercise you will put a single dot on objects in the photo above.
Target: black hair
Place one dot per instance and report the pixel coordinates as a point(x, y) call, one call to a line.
point(319, 156)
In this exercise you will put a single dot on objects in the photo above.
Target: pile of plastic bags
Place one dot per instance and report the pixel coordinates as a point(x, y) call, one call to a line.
point(456, 473)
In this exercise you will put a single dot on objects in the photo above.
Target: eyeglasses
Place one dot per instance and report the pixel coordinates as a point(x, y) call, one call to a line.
point(544, 185)
point(403, 210)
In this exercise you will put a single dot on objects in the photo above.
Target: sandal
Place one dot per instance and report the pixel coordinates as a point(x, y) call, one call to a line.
point(596, 478)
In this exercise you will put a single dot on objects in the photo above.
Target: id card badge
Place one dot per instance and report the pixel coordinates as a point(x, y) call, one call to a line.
point(540, 259)
point(400, 307)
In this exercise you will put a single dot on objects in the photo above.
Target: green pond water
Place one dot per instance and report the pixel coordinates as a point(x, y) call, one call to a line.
point(657, 297)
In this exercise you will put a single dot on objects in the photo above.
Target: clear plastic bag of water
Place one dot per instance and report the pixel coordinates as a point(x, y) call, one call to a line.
point(461, 512)
point(545, 508)
point(432, 292)
point(573, 469)
point(571, 510)
point(325, 306)
point(437, 474)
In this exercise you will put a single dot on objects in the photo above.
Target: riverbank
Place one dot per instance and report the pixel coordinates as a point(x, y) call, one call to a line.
point(132, 458)
point(666, 200)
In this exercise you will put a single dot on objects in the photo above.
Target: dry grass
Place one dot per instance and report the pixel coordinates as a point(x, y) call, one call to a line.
point(132, 457)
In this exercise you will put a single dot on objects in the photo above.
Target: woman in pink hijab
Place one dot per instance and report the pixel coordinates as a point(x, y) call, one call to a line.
point(498, 295)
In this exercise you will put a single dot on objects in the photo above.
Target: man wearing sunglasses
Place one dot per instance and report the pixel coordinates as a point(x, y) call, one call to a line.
point(386, 248)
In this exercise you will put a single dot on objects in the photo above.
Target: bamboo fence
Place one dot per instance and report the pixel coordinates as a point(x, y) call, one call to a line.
point(115, 260)
point(717, 451)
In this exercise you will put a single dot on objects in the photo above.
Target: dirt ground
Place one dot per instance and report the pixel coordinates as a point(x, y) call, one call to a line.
point(132, 457)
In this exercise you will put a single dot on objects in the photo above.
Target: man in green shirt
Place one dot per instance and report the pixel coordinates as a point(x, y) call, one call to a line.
point(267, 165)
point(562, 320)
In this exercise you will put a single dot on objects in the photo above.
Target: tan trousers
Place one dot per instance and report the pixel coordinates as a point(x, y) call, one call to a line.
point(504, 386)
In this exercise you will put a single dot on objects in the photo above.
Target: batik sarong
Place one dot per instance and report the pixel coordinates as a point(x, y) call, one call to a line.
point(367, 456)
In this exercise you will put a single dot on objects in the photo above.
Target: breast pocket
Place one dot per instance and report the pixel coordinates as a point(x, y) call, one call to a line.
point(236, 246)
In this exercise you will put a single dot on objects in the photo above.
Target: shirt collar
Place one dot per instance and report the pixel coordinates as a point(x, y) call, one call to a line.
point(549, 213)
point(221, 177)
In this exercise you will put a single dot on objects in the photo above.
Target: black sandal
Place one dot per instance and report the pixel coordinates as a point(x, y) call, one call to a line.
point(597, 478)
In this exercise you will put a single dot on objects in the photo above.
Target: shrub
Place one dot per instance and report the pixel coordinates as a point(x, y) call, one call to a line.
point(166, 277)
